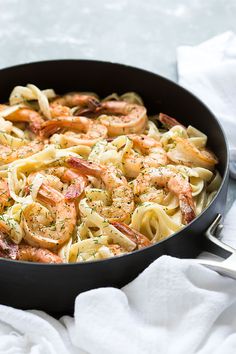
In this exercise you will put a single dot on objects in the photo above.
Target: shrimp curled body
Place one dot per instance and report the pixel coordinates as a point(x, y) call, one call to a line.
point(56, 176)
point(86, 131)
point(154, 155)
point(49, 227)
point(175, 182)
point(122, 204)
point(186, 153)
point(122, 118)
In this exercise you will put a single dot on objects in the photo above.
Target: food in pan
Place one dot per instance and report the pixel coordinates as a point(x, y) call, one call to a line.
point(84, 179)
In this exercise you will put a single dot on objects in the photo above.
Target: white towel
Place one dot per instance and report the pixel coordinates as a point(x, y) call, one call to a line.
point(175, 306)
point(209, 71)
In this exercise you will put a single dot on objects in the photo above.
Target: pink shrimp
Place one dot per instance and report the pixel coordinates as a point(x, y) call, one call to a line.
point(54, 176)
point(58, 110)
point(154, 155)
point(121, 117)
point(8, 154)
point(122, 203)
point(135, 236)
point(186, 153)
point(53, 228)
point(27, 115)
point(175, 182)
point(23, 252)
point(168, 121)
point(34, 254)
point(90, 132)
point(77, 99)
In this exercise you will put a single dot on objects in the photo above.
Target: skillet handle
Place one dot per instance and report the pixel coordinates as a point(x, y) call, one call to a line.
point(214, 245)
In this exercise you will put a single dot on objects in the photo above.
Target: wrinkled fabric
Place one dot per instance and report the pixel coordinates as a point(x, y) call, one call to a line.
point(174, 306)
point(209, 71)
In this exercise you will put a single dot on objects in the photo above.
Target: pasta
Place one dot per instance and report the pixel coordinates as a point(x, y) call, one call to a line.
point(84, 179)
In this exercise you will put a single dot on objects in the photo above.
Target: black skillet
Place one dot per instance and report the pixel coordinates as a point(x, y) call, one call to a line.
point(53, 288)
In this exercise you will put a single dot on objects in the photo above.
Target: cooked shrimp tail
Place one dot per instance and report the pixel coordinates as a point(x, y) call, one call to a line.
point(69, 123)
point(187, 208)
point(135, 236)
point(168, 122)
point(77, 186)
point(181, 187)
point(54, 176)
point(78, 99)
point(49, 195)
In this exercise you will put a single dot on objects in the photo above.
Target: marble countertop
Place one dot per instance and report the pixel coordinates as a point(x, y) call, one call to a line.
point(135, 32)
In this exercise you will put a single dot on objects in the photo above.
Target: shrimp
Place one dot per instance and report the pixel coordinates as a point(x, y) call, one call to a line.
point(8, 249)
point(175, 182)
point(155, 155)
point(49, 228)
point(34, 254)
point(184, 151)
point(8, 154)
point(135, 236)
point(54, 176)
point(77, 181)
point(77, 99)
point(91, 131)
point(5, 198)
point(27, 115)
point(121, 117)
point(168, 121)
point(22, 252)
point(122, 204)
point(188, 154)
point(58, 110)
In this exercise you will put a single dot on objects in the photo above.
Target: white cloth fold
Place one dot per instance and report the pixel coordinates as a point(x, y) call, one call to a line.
point(175, 306)
point(209, 71)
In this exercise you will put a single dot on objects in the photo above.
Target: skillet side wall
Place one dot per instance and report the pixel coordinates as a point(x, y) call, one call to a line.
point(53, 288)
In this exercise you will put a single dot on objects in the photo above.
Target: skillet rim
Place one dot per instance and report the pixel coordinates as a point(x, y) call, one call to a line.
point(175, 234)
